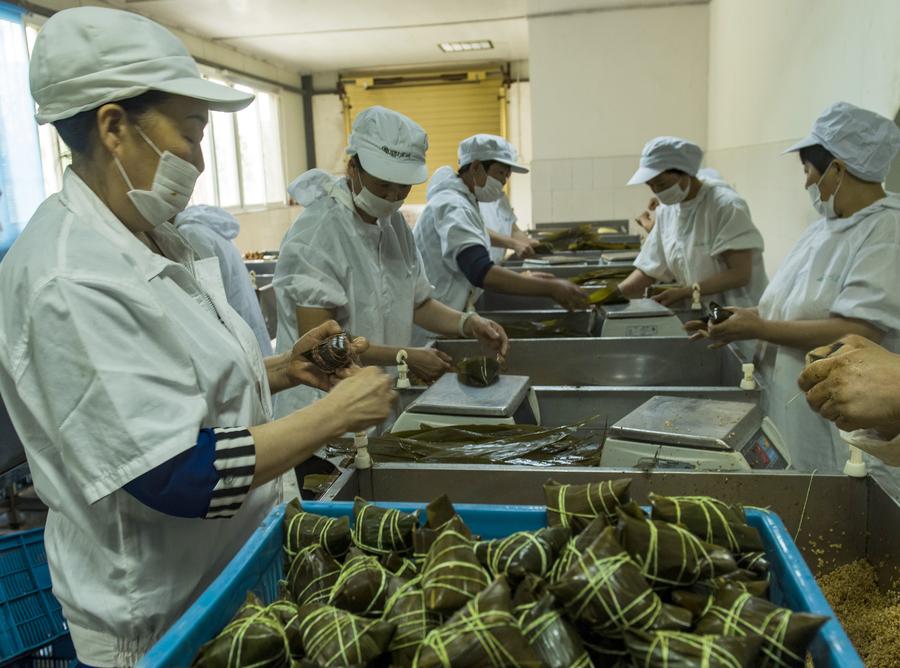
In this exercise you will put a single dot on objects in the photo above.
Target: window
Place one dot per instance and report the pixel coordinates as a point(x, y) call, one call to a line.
point(242, 151)
point(21, 180)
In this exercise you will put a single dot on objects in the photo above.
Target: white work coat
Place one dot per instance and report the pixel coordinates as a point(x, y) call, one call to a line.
point(371, 276)
point(688, 240)
point(111, 361)
point(847, 267)
point(214, 238)
point(450, 223)
point(498, 217)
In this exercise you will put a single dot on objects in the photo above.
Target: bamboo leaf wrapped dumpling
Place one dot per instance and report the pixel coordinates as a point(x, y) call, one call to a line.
point(382, 530)
point(552, 636)
point(786, 635)
point(523, 552)
point(605, 592)
point(478, 371)
point(254, 637)
point(483, 634)
point(405, 608)
point(452, 574)
point(575, 546)
point(672, 649)
point(302, 529)
point(575, 506)
point(335, 637)
point(709, 519)
point(362, 585)
point(669, 555)
point(311, 575)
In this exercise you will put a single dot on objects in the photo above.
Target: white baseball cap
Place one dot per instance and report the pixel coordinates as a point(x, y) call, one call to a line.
point(866, 141)
point(390, 146)
point(88, 56)
point(665, 153)
point(489, 147)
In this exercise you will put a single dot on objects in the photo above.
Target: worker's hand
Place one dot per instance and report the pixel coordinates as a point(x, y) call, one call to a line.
point(743, 325)
point(646, 220)
point(297, 370)
point(428, 364)
point(489, 333)
point(672, 296)
point(363, 399)
point(856, 386)
point(568, 295)
point(522, 248)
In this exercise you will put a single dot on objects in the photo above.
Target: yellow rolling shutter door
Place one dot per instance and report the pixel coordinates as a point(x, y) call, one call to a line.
point(449, 112)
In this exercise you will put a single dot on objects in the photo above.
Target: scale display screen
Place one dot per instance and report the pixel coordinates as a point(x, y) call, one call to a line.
point(761, 453)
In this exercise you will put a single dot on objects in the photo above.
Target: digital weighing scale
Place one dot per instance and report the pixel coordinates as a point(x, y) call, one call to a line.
point(510, 400)
point(697, 434)
point(640, 317)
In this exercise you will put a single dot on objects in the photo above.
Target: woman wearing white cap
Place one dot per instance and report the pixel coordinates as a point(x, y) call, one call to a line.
point(141, 397)
point(350, 256)
point(454, 242)
point(703, 232)
point(840, 278)
point(501, 223)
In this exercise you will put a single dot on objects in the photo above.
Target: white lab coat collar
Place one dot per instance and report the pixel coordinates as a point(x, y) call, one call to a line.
point(891, 201)
point(78, 196)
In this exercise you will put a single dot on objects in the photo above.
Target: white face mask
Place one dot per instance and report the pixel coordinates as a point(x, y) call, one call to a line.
point(491, 191)
point(825, 208)
point(374, 205)
point(171, 190)
point(674, 194)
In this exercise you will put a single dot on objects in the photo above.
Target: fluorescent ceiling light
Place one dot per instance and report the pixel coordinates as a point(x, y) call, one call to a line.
point(455, 47)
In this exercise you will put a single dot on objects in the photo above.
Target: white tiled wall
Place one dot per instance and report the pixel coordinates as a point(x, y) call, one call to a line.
point(585, 189)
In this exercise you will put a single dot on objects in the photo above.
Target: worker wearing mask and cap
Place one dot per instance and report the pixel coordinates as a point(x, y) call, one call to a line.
point(501, 223)
point(703, 233)
point(211, 231)
point(140, 395)
point(454, 242)
point(350, 256)
point(840, 278)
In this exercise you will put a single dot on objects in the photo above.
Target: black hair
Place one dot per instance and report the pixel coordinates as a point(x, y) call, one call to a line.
point(77, 131)
point(484, 163)
point(818, 156)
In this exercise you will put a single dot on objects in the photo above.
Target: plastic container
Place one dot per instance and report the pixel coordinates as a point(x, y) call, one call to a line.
point(30, 617)
point(258, 567)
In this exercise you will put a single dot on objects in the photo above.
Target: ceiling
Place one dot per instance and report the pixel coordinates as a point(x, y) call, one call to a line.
point(341, 35)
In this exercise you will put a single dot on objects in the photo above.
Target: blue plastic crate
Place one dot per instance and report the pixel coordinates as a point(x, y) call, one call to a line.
point(258, 567)
point(30, 616)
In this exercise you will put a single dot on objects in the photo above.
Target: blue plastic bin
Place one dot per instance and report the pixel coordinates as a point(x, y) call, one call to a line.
point(30, 616)
point(258, 567)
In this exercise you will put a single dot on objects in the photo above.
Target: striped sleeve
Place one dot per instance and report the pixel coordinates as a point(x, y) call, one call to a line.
point(235, 462)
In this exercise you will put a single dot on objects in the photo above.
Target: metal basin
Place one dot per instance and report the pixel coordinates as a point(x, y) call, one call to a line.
point(621, 225)
point(843, 519)
point(613, 362)
point(583, 322)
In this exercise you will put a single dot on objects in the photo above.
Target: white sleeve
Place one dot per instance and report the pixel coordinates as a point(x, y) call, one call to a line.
point(652, 258)
point(423, 285)
point(870, 291)
point(868, 440)
point(308, 275)
point(458, 228)
point(735, 230)
point(116, 386)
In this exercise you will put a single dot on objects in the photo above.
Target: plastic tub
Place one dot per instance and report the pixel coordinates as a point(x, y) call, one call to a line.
point(30, 616)
point(258, 567)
